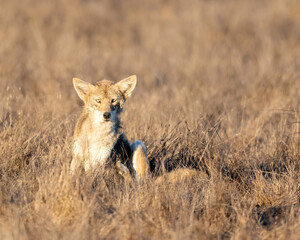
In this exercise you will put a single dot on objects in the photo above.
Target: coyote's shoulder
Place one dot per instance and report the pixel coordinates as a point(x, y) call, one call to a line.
point(80, 122)
point(97, 136)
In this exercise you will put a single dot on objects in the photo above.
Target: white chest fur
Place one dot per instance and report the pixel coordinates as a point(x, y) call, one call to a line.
point(99, 150)
point(95, 148)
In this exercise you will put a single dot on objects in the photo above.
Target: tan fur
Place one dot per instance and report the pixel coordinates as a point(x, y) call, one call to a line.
point(124, 171)
point(98, 138)
point(139, 159)
point(178, 175)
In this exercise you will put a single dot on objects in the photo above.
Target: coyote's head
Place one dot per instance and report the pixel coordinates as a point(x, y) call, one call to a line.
point(105, 100)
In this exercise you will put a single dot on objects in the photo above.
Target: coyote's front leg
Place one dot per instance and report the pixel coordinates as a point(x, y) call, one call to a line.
point(124, 171)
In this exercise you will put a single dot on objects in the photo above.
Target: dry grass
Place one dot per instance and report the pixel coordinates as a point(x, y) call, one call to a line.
point(218, 90)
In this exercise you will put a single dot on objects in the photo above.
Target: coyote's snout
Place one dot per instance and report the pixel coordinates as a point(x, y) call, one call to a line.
point(97, 136)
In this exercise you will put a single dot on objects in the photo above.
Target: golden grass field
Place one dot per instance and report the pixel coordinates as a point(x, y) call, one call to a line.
point(218, 90)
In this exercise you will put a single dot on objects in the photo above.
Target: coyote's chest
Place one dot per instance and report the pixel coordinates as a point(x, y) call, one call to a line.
point(99, 152)
point(95, 149)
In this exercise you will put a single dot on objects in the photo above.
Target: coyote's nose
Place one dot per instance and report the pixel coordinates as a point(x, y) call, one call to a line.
point(106, 115)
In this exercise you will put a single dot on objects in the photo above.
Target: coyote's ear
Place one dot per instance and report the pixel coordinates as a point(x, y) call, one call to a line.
point(127, 85)
point(82, 88)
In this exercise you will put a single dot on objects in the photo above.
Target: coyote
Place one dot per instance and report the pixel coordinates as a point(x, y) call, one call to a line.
point(98, 140)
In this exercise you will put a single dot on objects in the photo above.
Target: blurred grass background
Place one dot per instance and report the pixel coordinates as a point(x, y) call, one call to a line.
point(218, 90)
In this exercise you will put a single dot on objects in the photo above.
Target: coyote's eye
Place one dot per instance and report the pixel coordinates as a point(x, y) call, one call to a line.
point(113, 100)
point(98, 101)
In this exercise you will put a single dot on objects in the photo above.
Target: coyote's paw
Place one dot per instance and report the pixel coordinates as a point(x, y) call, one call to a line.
point(124, 171)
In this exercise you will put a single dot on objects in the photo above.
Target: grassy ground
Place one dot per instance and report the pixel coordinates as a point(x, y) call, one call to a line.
point(218, 90)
